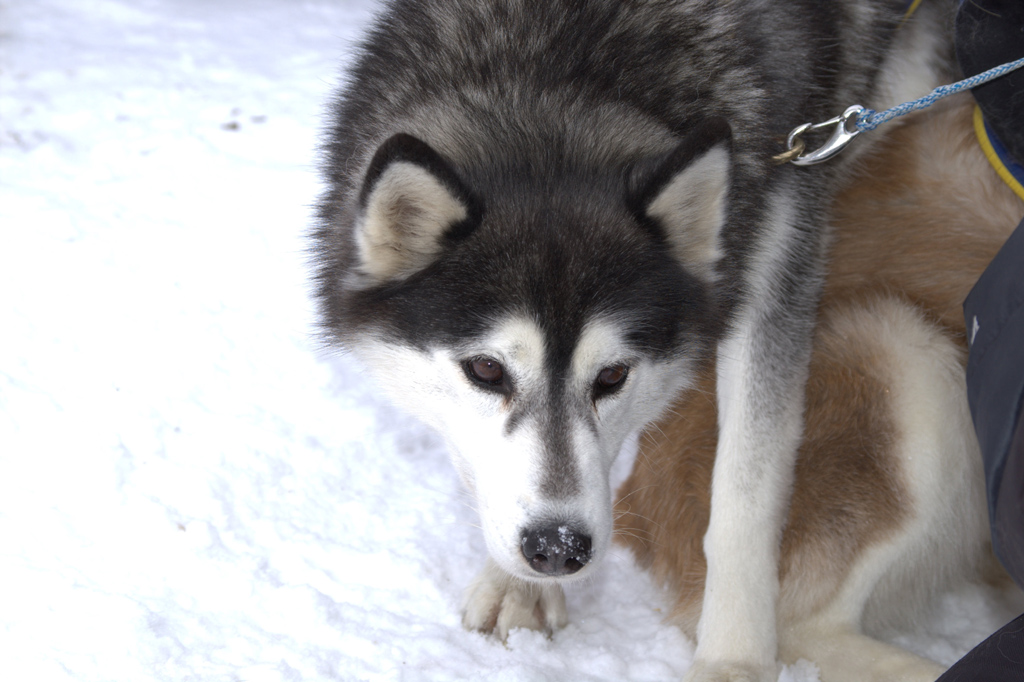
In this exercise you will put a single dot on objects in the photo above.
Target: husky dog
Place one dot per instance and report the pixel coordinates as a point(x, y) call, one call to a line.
point(889, 503)
point(542, 216)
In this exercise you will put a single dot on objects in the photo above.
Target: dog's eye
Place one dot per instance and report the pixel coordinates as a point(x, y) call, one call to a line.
point(610, 379)
point(485, 371)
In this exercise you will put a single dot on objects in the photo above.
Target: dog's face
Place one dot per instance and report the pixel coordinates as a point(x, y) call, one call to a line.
point(534, 438)
point(536, 328)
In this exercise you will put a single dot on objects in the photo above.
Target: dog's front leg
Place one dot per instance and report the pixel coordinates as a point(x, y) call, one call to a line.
point(762, 371)
point(497, 602)
point(736, 638)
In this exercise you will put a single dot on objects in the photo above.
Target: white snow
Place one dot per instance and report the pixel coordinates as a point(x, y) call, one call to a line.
point(189, 488)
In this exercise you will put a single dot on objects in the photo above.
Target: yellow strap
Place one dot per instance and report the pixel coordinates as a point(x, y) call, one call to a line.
point(911, 9)
point(992, 156)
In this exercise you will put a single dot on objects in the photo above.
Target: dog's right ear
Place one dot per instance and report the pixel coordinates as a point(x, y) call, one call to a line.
point(410, 202)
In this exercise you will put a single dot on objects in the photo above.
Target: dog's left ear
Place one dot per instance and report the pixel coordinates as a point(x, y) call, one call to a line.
point(685, 195)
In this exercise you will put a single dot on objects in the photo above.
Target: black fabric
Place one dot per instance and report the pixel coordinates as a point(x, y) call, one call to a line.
point(990, 33)
point(994, 313)
point(1008, 522)
point(1000, 658)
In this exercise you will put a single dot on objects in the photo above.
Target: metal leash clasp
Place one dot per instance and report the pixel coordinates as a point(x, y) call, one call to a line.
point(844, 130)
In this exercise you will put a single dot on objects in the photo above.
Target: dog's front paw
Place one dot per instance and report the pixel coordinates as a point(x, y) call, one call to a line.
point(714, 671)
point(496, 602)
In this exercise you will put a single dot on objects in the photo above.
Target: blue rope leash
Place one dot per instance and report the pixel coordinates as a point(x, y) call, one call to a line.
point(856, 119)
point(869, 119)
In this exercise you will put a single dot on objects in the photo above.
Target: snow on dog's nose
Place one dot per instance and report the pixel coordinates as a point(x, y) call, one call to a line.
point(557, 550)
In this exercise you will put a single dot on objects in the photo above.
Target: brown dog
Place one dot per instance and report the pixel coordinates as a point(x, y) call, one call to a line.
point(888, 504)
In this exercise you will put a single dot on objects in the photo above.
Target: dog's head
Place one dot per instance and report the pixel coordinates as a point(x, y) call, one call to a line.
point(536, 320)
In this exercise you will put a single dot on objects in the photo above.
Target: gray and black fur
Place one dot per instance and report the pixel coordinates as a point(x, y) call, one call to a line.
point(549, 113)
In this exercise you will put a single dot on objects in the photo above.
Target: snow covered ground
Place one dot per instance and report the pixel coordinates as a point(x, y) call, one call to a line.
point(189, 489)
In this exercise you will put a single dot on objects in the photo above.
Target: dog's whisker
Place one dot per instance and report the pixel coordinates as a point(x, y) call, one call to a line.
point(644, 540)
point(625, 497)
point(647, 541)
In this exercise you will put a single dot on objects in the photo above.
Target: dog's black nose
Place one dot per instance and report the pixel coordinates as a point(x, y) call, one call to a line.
point(558, 550)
